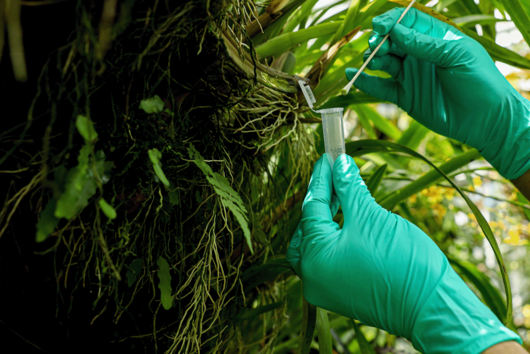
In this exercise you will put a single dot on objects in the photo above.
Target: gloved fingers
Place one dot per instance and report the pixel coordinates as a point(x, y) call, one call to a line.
point(387, 48)
point(334, 206)
point(422, 46)
point(413, 19)
point(317, 222)
point(318, 210)
point(384, 89)
point(375, 39)
point(388, 63)
point(348, 184)
point(318, 198)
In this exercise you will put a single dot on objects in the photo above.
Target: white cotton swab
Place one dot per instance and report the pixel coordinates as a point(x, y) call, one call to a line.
point(347, 88)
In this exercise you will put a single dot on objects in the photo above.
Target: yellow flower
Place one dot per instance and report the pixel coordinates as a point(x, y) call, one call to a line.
point(471, 188)
point(493, 224)
point(514, 238)
point(434, 194)
point(526, 310)
point(477, 181)
point(414, 198)
point(449, 193)
point(439, 211)
point(501, 225)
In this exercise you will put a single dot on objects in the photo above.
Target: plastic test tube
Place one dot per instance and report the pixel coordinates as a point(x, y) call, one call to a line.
point(332, 126)
point(333, 133)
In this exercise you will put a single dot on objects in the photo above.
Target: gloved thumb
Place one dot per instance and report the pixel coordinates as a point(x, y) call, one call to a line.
point(358, 206)
point(384, 89)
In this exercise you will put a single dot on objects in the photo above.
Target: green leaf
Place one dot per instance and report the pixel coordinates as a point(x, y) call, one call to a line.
point(363, 119)
point(443, 4)
point(82, 166)
point(47, 221)
point(472, 20)
point(352, 98)
point(165, 283)
point(79, 188)
point(59, 176)
point(155, 156)
point(369, 10)
point(107, 209)
point(499, 53)
point(325, 345)
point(413, 136)
point(375, 179)
point(380, 122)
point(134, 270)
point(353, 149)
point(334, 80)
point(258, 270)
point(174, 197)
point(262, 273)
point(282, 43)
point(152, 105)
point(289, 64)
point(259, 311)
point(405, 212)
point(307, 331)
point(305, 10)
point(523, 200)
point(365, 347)
point(229, 197)
point(273, 29)
point(86, 128)
point(261, 237)
point(349, 21)
point(519, 16)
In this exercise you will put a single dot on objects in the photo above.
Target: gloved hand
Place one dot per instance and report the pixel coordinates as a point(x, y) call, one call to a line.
point(448, 82)
point(384, 271)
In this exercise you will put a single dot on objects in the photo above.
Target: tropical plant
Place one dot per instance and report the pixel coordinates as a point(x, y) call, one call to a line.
point(169, 149)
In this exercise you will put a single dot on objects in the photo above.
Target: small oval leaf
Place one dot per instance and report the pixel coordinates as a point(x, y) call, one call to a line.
point(85, 127)
point(152, 105)
point(165, 283)
point(134, 270)
point(107, 209)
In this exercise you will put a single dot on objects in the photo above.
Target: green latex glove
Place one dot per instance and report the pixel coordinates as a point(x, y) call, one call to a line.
point(384, 271)
point(448, 82)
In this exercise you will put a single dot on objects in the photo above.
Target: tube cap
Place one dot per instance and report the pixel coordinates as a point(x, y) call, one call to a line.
point(308, 94)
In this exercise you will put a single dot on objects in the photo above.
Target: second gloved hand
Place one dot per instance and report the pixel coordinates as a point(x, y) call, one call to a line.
point(384, 271)
point(448, 82)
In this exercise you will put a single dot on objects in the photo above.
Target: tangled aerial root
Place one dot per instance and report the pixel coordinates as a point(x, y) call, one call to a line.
point(245, 131)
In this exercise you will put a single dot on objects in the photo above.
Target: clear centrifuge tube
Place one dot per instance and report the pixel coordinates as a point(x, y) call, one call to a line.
point(332, 125)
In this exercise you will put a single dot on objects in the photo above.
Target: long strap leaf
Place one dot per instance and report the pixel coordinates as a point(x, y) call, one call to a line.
point(308, 327)
point(519, 16)
point(282, 43)
point(325, 345)
point(364, 346)
point(375, 179)
point(499, 53)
